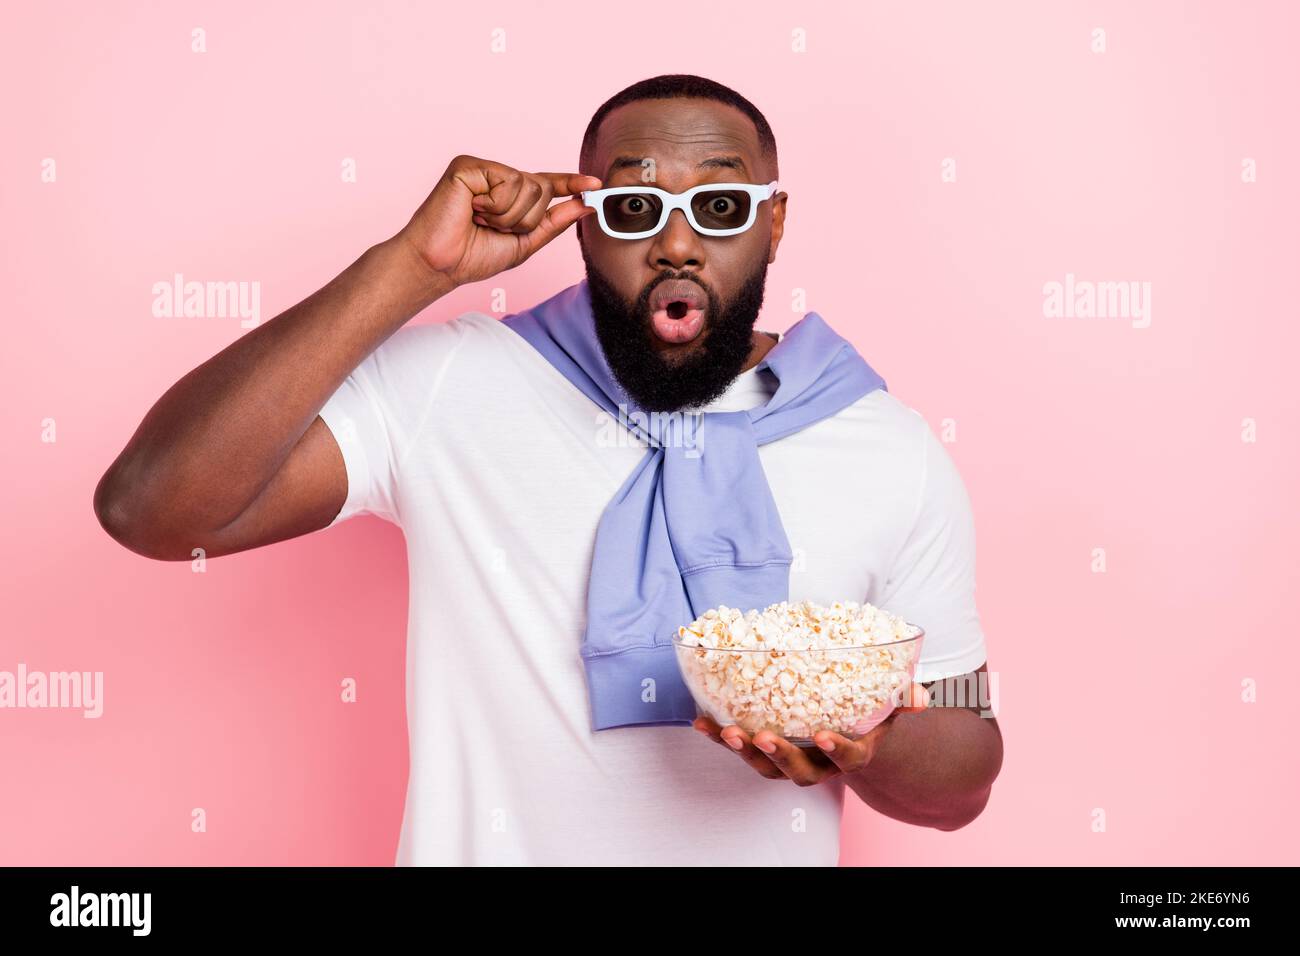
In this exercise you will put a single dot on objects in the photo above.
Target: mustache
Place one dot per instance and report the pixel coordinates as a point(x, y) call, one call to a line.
point(642, 306)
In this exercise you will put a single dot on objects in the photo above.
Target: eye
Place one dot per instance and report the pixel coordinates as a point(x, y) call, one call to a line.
point(720, 205)
point(633, 205)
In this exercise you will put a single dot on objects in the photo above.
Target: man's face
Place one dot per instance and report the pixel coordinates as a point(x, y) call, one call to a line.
point(668, 356)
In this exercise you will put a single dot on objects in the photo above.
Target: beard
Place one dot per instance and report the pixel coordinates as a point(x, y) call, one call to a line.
point(656, 382)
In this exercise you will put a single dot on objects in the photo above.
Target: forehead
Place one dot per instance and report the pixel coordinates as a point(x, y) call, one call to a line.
point(688, 139)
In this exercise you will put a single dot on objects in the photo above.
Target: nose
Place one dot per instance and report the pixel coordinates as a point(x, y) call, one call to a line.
point(677, 245)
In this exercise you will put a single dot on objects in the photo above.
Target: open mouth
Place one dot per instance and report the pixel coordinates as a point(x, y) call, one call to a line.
point(678, 322)
point(677, 310)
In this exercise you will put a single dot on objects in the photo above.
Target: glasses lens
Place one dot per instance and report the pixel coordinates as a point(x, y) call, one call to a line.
point(721, 208)
point(632, 212)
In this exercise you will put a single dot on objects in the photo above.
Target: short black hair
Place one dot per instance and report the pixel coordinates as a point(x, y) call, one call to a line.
point(680, 86)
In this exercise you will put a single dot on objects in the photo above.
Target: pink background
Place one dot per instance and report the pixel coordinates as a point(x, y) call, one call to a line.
point(1119, 690)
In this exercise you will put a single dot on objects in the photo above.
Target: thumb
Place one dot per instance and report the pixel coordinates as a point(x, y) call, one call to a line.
point(557, 219)
point(570, 184)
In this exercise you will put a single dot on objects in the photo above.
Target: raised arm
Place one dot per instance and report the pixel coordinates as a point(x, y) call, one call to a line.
point(234, 456)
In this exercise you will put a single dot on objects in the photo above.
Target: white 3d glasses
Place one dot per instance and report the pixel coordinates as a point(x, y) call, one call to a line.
point(712, 209)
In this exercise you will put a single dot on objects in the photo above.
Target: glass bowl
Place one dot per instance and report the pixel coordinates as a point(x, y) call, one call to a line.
point(796, 693)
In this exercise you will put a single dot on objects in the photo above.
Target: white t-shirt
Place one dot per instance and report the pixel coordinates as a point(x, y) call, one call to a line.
point(497, 470)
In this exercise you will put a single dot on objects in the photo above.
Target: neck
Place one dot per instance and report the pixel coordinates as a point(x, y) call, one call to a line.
point(764, 342)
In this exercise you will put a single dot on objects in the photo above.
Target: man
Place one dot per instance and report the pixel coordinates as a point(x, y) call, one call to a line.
point(489, 444)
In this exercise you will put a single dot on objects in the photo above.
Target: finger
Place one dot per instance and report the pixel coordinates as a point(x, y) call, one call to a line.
point(793, 761)
point(707, 726)
point(503, 188)
point(533, 215)
point(554, 221)
point(531, 191)
point(569, 184)
point(849, 755)
point(738, 741)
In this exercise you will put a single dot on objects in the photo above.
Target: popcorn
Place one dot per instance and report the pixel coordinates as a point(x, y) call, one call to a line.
point(797, 668)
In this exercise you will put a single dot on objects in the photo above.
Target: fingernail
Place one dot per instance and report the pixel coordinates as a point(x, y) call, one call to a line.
point(766, 746)
point(703, 730)
point(827, 745)
point(734, 743)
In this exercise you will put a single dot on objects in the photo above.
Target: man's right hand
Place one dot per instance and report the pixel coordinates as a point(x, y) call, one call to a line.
point(484, 217)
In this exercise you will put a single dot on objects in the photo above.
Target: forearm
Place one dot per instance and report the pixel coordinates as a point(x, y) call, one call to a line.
point(933, 768)
point(211, 443)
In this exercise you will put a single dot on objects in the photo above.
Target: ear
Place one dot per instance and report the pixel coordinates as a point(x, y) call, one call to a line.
point(778, 225)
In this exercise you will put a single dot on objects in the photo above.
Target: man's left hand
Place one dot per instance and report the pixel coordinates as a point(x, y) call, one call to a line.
point(774, 757)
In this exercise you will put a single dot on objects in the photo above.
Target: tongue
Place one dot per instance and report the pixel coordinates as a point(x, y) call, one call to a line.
point(678, 323)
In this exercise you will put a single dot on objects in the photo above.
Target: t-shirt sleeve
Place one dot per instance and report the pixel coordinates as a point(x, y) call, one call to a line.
point(380, 408)
point(932, 579)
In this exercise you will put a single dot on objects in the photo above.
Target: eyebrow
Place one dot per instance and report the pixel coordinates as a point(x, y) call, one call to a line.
point(713, 162)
